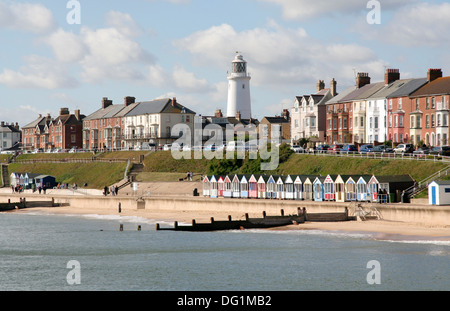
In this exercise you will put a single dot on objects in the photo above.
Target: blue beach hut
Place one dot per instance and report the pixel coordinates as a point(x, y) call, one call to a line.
point(244, 187)
point(271, 188)
point(318, 188)
point(361, 188)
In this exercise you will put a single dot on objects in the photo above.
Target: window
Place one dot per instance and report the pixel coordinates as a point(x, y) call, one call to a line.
point(370, 122)
point(390, 104)
point(433, 102)
point(427, 103)
point(432, 120)
point(376, 122)
point(399, 103)
point(362, 122)
point(390, 121)
point(400, 121)
point(427, 121)
point(412, 121)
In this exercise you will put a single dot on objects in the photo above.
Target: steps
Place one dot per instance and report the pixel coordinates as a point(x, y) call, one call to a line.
point(423, 184)
point(5, 176)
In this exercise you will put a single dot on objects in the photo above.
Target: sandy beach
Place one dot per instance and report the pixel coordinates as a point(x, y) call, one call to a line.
point(380, 229)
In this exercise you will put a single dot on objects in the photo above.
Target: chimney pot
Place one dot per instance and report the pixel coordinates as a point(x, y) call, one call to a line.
point(106, 102)
point(333, 87)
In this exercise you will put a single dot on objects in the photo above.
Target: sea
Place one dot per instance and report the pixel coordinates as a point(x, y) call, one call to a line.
point(45, 252)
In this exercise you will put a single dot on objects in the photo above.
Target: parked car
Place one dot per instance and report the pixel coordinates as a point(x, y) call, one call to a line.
point(297, 148)
point(335, 148)
point(422, 151)
point(404, 148)
point(382, 148)
point(441, 150)
point(365, 148)
point(349, 149)
point(322, 148)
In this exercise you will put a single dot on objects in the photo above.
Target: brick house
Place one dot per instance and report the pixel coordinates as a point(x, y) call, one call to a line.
point(283, 122)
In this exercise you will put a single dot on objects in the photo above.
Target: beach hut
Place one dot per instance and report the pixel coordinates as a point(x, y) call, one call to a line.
point(339, 188)
point(206, 186)
point(361, 188)
point(439, 192)
point(262, 180)
point(29, 181)
point(350, 188)
point(308, 188)
point(220, 187)
point(14, 179)
point(244, 187)
point(213, 189)
point(298, 188)
point(227, 187)
point(236, 187)
point(288, 188)
point(328, 188)
point(271, 187)
point(280, 188)
point(253, 187)
point(318, 189)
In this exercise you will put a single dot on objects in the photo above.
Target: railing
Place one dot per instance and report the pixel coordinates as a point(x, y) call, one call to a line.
point(423, 184)
point(379, 155)
point(70, 160)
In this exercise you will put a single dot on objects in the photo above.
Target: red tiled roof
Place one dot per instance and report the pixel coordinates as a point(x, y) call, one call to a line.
point(436, 87)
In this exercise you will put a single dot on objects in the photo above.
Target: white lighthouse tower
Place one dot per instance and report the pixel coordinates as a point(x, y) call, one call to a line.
point(239, 89)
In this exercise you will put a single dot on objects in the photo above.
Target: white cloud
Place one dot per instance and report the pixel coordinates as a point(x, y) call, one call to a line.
point(39, 72)
point(425, 24)
point(280, 57)
point(124, 23)
point(188, 81)
point(35, 18)
point(306, 9)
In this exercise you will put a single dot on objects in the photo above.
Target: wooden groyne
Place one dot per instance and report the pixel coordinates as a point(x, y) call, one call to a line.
point(24, 203)
point(259, 223)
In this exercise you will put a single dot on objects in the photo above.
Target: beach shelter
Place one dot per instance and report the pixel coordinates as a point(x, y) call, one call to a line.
point(298, 188)
point(206, 186)
point(252, 187)
point(288, 188)
point(350, 188)
point(308, 188)
point(328, 188)
point(280, 188)
point(244, 187)
point(220, 187)
point(271, 187)
point(318, 189)
point(227, 187)
point(361, 188)
point(213, 189)
point(439, 192)
point(45, 181)
point(236, 187)
point(391, 186)
point(262, 180)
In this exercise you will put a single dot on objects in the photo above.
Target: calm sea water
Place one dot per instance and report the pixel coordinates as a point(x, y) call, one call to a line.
point(35, 250)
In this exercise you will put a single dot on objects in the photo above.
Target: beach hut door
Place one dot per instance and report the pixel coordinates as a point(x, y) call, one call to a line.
point(433, 195)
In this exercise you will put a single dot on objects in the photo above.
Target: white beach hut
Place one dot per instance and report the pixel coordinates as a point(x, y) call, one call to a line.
point(439, 192)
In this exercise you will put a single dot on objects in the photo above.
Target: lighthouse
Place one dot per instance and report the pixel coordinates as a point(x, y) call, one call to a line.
point(239, 89)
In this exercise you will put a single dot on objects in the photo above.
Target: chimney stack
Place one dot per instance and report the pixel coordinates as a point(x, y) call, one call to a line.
point(391, 75)
point(129, 100)
point(286, 114)
point(362, 79)
point(77, 114)
point(333, 88)
point(238, 116)
point(3, 124)
point(63, 111)
point(174, 101)
point(433, 74)
point(106, 102)
point(320, 85)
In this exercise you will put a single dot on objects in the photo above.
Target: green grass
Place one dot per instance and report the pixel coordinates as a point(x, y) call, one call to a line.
point(95, 174)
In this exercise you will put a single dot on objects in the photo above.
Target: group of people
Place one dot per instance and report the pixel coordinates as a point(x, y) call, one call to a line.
point(20, 188)
point(113, 190)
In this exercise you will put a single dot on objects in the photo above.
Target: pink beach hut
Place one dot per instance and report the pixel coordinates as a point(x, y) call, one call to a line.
point(252, 187)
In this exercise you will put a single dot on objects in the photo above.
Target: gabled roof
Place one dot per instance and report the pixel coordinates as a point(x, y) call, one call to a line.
point(340, 96)
point(276, 120)
point(364, 92)
point(409, 88)
point(436, 87)
point(389, 89)
point(39, 121)
point(165, 105)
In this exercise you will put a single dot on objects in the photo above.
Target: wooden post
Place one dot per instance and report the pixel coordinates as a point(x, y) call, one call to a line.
point(264, 214)
point(121, 227)
point(139, 228)
point(193, 222)
point(246, 216)
point(157, 227)
point(176, 224)
point(212, 220)
point(282, 212)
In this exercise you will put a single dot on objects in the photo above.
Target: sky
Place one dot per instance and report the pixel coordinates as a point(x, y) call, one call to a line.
point(56, 54)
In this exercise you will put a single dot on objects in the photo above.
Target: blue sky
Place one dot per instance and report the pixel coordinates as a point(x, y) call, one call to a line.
point(183, 48)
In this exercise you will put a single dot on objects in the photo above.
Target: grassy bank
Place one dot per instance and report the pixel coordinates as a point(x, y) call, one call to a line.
point(95, 174)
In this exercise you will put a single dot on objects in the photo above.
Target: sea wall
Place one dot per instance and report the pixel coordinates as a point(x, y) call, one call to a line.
point(415, 212)
point(405, 212)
